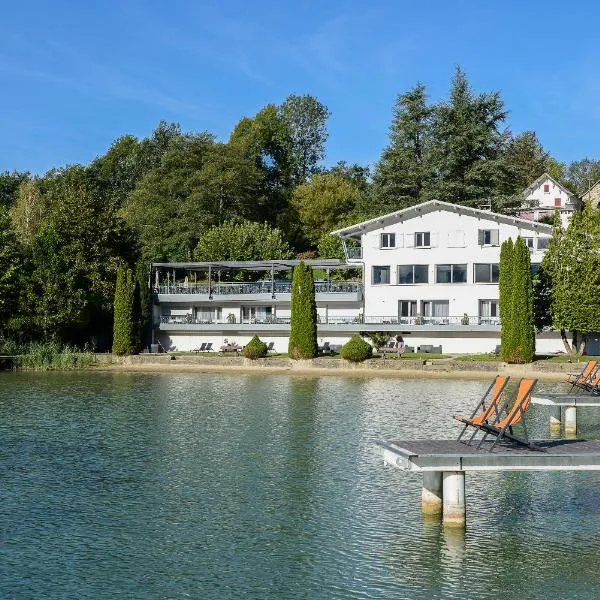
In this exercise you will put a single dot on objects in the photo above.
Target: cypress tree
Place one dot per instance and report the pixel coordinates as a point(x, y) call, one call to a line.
point(123, 329)
point(505, 287)
point(303, 329)
point(143, 306)
point(522, 328)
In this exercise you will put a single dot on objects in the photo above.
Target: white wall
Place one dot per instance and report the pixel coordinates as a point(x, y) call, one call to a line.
point(454, 240)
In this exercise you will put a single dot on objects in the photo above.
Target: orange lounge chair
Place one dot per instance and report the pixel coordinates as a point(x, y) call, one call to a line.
point(503, 428)
point(581, 379)
point(482, 412)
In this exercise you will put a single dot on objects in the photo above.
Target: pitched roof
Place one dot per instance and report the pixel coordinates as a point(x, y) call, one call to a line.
point(540, 180)
point(432, 206)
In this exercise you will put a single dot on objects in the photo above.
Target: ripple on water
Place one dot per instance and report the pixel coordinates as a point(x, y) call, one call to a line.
point(219, 486)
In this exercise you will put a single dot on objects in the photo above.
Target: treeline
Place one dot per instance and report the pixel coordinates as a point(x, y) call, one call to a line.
point(264, 193)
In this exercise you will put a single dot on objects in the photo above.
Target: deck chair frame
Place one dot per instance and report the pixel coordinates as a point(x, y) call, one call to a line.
point(492, 396)
point(503, 428)
point(582, 379)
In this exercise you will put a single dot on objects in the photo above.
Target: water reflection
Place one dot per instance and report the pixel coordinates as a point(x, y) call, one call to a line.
point(268, 487)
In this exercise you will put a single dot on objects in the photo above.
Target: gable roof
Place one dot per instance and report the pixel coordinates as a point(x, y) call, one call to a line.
point(540, 180)
point(424, 208)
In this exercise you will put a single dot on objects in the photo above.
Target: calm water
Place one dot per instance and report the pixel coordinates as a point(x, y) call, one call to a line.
point(217, 486)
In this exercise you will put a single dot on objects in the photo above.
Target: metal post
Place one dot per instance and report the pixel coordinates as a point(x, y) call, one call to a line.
point(431, 496)
point(454, 499)
point(209, 283)
point(570, 421)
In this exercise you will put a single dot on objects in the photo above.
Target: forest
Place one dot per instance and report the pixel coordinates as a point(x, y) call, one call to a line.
point(264, 193)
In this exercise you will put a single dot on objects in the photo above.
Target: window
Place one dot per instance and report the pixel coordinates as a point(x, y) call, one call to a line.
point(489, 237)
point(489, 312)
point(486, 272)
point(381, 275)
point(451, 274)
point(413, 274)
point(556, 201)
point(535, 267)
point(423, 239)
point(546, 188)
point(436, 308)
point(542, 243)
point(388, 240)
point(529, 243)
point(407, 308)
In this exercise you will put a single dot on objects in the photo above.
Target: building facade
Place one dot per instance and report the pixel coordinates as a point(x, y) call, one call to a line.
point(428, 273)
point(545, 196)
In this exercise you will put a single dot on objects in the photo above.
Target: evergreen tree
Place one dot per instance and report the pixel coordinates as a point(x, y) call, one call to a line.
point(467, 146)
point(576, 280)
point(303, 329)
point(505, 287)
point(522, 348)
point(403, 171)
point(124, 327)
point(143, 307)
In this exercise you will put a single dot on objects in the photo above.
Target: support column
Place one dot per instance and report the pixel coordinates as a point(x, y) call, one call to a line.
point(555, 420)
point(454, 499)
point(570, 420)
point(431, 496)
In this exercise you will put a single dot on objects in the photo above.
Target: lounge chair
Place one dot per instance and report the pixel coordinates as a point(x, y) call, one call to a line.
point(200, 349)
point(502, 428)
point(270, 346)
point(208, 347)
point(488, 407)
point(582, 379)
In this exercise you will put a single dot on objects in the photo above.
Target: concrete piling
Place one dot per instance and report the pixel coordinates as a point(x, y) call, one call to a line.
point(454, 513)
point(432, 495)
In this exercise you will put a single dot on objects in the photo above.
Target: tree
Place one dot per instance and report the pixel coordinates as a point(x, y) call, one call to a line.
point(323, 202)
point(505, 289)
point(522, 327)
point(10, 269)
point(142, 305)
point(28, 211)
point(574, 265)
point(303, 328)
point(242, 240)
point(467, 146)
point(9, 184)
point(306, 119)
point(124, 326)
point(403, 170)
point(583, 174)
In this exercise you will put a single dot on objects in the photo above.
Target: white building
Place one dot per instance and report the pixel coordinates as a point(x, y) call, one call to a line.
point(428, 273)
point(544, 196)
point(432, 269)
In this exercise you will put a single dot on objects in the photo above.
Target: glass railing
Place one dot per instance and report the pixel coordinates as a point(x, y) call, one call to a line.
point(337, 320)
point(258, 287)
point(354, 252)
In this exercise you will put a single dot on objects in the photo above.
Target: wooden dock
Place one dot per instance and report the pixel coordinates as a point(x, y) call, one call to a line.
point(445, 462)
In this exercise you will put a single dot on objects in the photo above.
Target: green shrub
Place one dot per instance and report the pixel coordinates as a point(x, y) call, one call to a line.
point(356, 349)
point(48, 356)
point(255, 348)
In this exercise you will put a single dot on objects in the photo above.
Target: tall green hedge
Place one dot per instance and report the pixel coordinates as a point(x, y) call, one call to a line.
point(303, 330)
point(124, 331)
point(505, 286)
point(516, 303)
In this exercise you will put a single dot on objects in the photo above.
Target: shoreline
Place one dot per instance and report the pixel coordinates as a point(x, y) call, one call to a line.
point(389, 368)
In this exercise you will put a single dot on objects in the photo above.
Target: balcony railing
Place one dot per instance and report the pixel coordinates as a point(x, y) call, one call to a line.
point(338, 320)
point(354, 252)
point(258, 287)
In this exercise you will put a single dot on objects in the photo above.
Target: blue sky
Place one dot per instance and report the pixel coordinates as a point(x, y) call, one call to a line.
point(77, 75)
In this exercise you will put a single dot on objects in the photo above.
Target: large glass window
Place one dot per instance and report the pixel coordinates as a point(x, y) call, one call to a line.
point(489, 312)
point(542, 243)
point(451, 274)
point(388, 240)
point(436, 308)
point(407, 308)
point(486, 272)
point(423, 239)
point(381, 275)
point(413, 274)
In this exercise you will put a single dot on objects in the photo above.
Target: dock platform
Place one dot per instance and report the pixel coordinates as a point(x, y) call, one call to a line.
point(445, 462)
point(568, 402)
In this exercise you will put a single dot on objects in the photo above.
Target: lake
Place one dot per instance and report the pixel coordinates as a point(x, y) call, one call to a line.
point(120, 485)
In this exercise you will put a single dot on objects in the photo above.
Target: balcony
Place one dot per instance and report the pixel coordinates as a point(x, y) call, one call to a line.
point(354, 253)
